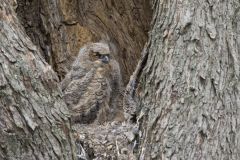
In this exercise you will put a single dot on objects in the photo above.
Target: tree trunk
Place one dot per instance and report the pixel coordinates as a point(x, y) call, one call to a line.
point(34, 121)
point(189, 86)
point(186, 84)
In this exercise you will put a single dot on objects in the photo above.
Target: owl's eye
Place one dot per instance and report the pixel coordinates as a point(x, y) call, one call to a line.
point(97, 54)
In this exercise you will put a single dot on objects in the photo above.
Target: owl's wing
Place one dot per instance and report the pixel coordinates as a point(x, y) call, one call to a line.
point(77, 72)
point(117, 92)
point(93, 104)
point(77, 87)
point(116, 78)
point(116, 84)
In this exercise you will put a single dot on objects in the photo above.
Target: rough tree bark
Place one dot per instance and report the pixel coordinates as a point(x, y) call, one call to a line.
point(58, 29)
point(34, 120)
point(57, 34)
point(189, 84)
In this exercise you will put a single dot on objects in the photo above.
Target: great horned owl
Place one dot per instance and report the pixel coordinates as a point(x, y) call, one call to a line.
point(92, 88)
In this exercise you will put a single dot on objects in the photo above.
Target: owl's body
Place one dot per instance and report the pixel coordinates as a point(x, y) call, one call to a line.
point(93, 85)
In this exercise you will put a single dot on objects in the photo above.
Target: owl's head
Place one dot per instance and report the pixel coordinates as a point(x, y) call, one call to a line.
point(94, 55)
point(99, 53)
point(98, 57)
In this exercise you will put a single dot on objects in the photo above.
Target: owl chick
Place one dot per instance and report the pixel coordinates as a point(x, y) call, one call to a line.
point(93, 85)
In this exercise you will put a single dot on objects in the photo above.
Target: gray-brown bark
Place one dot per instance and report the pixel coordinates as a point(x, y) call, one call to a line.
point(51, 27)
point(187, 82)
point(58, 29)
point(34, 120)
point(189, 86)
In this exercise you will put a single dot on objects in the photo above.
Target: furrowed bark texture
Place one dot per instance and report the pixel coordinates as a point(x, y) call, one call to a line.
point(57, 34)
point(59, 28)
point(189, 87)
point(34, 121)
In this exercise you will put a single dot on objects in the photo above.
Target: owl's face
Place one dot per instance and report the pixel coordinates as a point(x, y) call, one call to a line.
point(101, 61)
point(99, 58)
point(99, 55)
point(95, 56)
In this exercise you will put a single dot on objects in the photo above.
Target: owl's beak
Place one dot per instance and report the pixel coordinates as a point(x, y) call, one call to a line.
point(105, 59)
